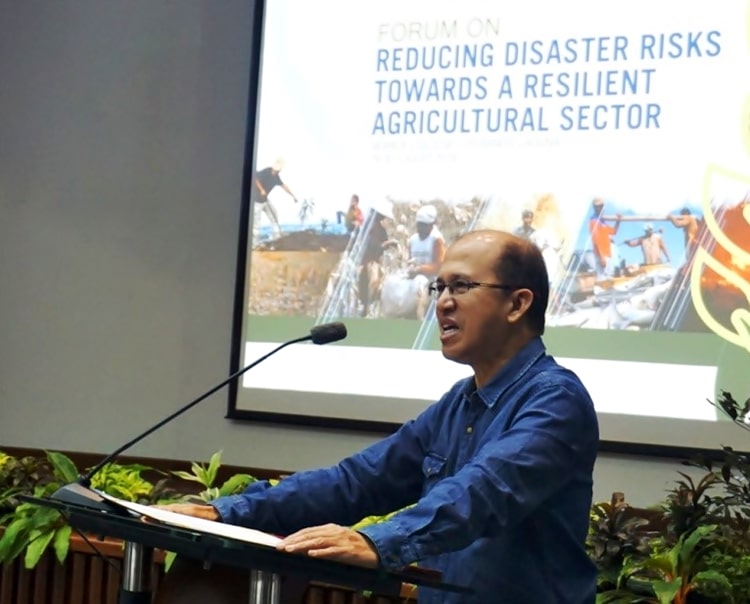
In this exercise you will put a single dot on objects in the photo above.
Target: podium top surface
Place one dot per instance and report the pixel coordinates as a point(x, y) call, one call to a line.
point(111, 521)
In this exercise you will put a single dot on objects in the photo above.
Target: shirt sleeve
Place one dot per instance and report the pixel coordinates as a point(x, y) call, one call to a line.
point(380, 479)
point(553, 433)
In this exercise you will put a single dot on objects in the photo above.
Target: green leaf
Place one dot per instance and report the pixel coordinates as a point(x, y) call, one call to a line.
point(687, 547)
point(200, 473)
point(44, 517)
point(63, 466)
point(618, 596)
point(661, 563)
point(61, 543)
point(213, 468)
point(188, 476)
point(666, 590)
point(36, 548)
point(714, 577)
point(169, 558)
point(14, 539)
point(235, 484)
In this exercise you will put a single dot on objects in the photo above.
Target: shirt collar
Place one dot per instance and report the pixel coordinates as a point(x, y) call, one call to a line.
point(510, 373)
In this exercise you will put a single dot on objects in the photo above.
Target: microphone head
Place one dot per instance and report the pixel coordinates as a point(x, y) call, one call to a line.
point(327, 333)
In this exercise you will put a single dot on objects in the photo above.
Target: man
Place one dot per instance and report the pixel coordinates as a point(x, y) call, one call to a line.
point(354, 217)
point(493, 481)
point(601, 239)
point(425, 253)
point(264, 182)
point(689, 225)
point(652, 245)
point(426, 247)
point(374, 245)
point(525, 231)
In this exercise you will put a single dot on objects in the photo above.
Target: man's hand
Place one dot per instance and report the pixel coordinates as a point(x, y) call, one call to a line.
point(332, 542)
point(198, 510)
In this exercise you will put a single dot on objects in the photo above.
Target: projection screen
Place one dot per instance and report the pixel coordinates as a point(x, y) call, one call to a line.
point(621, 130)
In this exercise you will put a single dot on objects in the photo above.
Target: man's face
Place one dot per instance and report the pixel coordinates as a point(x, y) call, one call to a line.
point(423, 229)
point(473, 325)
point(527, 219)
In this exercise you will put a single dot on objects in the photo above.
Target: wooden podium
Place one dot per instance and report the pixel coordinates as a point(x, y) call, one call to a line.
point(265, 565)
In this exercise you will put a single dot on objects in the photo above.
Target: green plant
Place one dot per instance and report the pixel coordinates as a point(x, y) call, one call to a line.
point(674, 573)
point(687, 505)
point(31, 528)
point(127, 482)
point(738, 413)
point(19, 476)
point(701, 552)
point(615, 533)
point(206, 475)
point(735, 566)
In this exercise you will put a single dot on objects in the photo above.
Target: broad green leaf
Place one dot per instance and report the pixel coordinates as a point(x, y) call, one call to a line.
point(36, 548)
point(661, 563)
point(63, 466)
point(61, 543)
point(666, 590)
point(213, 468)
point(200, 473)
point(688, 545)
point(45, 516)
point(14, 539)
point(236, 483)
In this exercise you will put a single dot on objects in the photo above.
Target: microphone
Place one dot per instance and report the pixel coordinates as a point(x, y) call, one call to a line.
point(327, 333)
point(79, 492)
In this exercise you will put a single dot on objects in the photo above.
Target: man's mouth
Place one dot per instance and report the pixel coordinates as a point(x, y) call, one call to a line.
point(448, 327)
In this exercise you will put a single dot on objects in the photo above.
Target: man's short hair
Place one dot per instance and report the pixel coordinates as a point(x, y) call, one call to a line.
point(685, 211)
point(520, 263)
point(527, 214)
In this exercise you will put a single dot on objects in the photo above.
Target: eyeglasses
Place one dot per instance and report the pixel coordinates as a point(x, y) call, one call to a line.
point(461, 286)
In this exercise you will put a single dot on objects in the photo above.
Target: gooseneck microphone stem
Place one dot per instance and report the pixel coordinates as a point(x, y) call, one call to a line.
point(85, 479)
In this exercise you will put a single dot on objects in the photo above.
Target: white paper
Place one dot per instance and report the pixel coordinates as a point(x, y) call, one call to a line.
point(230, 531)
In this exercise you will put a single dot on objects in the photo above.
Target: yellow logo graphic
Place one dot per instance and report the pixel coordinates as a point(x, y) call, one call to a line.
point(729, 261)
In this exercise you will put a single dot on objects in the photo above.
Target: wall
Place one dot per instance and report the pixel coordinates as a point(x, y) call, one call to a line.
point(121, 151)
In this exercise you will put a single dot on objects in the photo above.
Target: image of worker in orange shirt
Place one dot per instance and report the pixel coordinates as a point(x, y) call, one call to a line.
point(601, 239)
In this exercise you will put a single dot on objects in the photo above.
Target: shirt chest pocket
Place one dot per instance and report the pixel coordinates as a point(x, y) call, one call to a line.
point(433, 469)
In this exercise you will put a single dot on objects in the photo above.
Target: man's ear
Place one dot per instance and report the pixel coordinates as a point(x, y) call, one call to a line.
point(521, 300)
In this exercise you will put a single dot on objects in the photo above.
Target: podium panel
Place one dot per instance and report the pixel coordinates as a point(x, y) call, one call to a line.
point(264, 563)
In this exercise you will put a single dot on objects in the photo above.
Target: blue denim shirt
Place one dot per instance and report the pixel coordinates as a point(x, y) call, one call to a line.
point(501, 478)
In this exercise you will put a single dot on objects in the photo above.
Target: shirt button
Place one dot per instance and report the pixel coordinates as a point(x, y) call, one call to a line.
point(469, 429)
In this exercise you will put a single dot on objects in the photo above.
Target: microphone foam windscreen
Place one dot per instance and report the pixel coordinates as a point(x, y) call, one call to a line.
point(329, 332)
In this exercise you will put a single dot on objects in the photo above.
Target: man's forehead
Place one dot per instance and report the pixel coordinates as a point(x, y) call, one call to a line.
point(480, 243)
point(470, 255)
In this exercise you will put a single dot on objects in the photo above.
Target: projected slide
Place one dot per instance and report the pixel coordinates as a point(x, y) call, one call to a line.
point(616, 137)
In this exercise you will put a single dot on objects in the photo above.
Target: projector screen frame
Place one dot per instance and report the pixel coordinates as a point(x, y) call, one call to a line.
point(621, 445)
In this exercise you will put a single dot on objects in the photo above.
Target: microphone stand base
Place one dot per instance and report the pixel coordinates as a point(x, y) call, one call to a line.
point(75, 493)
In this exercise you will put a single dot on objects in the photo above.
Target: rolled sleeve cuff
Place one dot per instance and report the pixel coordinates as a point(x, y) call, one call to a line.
point(392, 544)
point(235, 509)
point(232, 509)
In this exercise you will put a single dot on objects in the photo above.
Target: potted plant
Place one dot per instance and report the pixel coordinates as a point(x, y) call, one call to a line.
point(694, 547)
